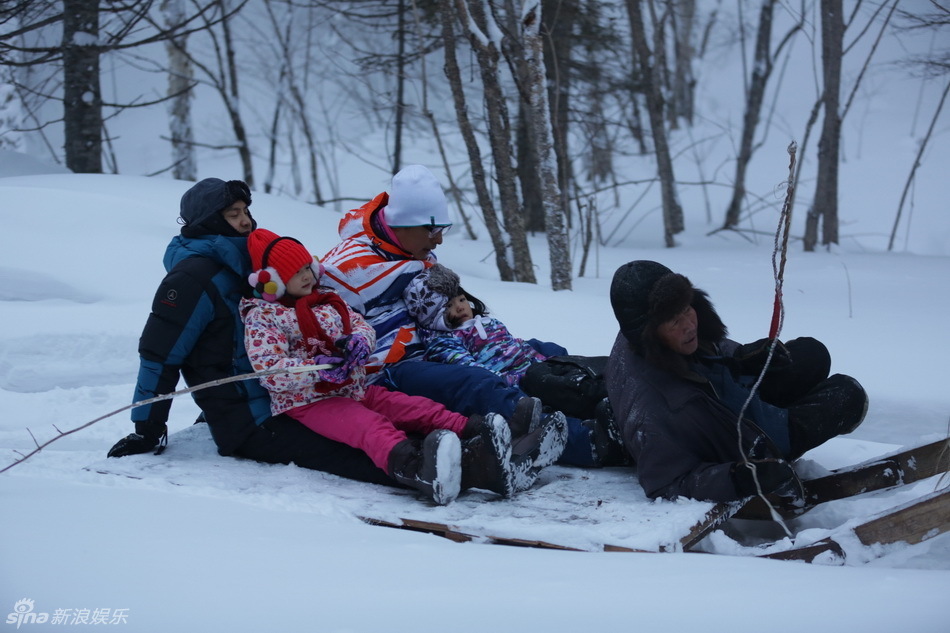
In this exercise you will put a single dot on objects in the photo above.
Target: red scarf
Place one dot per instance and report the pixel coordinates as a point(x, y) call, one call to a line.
point(311, 330)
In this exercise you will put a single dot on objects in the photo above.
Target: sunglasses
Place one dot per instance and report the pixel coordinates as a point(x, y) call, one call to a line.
point(435, 231)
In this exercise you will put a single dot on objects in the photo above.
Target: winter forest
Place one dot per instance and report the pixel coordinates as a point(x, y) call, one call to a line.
point(589, 121)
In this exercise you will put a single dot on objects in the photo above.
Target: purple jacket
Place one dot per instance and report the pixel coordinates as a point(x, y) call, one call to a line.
point(483, 341)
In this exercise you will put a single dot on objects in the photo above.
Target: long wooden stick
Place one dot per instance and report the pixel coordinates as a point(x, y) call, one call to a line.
point(781, 234)
point(167, 396)
point(778, 317)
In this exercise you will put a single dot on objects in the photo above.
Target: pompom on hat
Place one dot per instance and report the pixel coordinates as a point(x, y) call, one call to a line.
point(416, 199)
point(428, 293)
point(275, 260)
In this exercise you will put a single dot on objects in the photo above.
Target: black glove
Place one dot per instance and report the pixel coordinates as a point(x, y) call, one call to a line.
point(772, 474)
point(146, 437)
point(751, 357)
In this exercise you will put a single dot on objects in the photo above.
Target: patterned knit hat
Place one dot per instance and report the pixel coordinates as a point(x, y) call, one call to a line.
point(275, 260)
point(428, 293)
point(416, 199)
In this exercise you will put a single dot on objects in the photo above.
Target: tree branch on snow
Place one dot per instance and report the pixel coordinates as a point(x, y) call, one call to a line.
point(167, 396)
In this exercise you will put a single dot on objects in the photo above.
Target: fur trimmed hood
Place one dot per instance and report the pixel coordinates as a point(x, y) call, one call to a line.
point(644, 294)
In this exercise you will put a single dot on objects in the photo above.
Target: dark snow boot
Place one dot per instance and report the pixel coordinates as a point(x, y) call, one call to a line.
point(837, 406)
point(434, 468)
point(606, 445)
point(486, 455)
point(526, 417)
point(545, 443)
point(538, 449)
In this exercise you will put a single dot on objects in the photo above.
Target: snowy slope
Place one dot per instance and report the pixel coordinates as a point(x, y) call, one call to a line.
point(245, 547)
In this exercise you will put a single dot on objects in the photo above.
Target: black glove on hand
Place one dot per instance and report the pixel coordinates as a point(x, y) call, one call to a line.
point(771, 473)
point(751, 356)
point(146, 437)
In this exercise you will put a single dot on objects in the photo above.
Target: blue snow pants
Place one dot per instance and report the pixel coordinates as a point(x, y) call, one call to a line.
point(468, 390)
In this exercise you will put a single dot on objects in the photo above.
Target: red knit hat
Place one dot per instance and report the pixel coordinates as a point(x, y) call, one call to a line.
point(275, 260)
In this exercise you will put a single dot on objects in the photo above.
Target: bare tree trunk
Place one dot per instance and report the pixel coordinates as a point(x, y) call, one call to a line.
point(233, 100)
point(427, 112)
point(527, 160)
point(672, 211)
point(295, 89)
point(272, 140)
point(560, 39)
point(454, 76)
point(600, 155)
point(826, 188)
point(400, 83)
point(556, 41)
point(499, 134)
point(913, 169)
point(684, 83)
point(526, 156)
point(816, 108)
point(82, 98)
point(587, 218)
point(761, 70)
point(180, 82)
point(560, 257)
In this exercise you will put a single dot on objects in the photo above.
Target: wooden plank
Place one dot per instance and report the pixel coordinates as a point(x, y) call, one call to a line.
point(714, 518)
point(719, 513)
point(828, 548)
point(904, 467)
point(912, 522)
point(900, 468)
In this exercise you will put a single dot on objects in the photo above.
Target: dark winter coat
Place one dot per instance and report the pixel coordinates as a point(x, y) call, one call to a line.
point(195, 329)
point(678, 424)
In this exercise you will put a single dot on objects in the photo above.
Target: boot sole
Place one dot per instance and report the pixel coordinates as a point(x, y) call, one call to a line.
point(527, 467)
point(501, 443)
point(553, 441)
point(444, 450)
point(546, 445)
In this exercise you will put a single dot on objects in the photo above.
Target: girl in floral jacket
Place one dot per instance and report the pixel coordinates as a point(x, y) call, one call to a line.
point(293, 324)
point(456, 328)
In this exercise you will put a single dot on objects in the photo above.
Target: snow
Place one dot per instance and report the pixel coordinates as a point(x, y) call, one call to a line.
point(247, 547)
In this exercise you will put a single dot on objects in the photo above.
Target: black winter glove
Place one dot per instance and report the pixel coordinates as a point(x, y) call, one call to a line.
point(772, 474)
point(751, 357)
point(146, 437)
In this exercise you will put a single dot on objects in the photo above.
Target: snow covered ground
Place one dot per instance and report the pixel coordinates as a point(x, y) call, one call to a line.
point(81, 258)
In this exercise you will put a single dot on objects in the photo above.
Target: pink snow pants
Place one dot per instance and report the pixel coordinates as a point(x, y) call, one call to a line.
point(378, 422)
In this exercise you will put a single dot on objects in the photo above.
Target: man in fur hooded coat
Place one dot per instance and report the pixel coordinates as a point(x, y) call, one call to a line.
point(682, 394)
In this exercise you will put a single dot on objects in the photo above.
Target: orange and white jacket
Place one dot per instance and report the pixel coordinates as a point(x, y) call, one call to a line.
point(371, 274)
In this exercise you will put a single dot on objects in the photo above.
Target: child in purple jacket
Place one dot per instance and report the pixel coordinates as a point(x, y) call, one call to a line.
point(456, 328)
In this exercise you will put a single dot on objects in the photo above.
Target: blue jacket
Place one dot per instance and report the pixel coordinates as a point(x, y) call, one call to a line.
point(195, 330)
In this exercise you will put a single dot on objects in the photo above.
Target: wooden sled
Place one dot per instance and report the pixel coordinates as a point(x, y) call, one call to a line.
point(897, 469)
point(571, 509)
point(567, 509)
point(912, 522)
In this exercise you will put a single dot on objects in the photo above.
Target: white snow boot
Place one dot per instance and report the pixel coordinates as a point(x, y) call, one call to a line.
point(434, 469)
